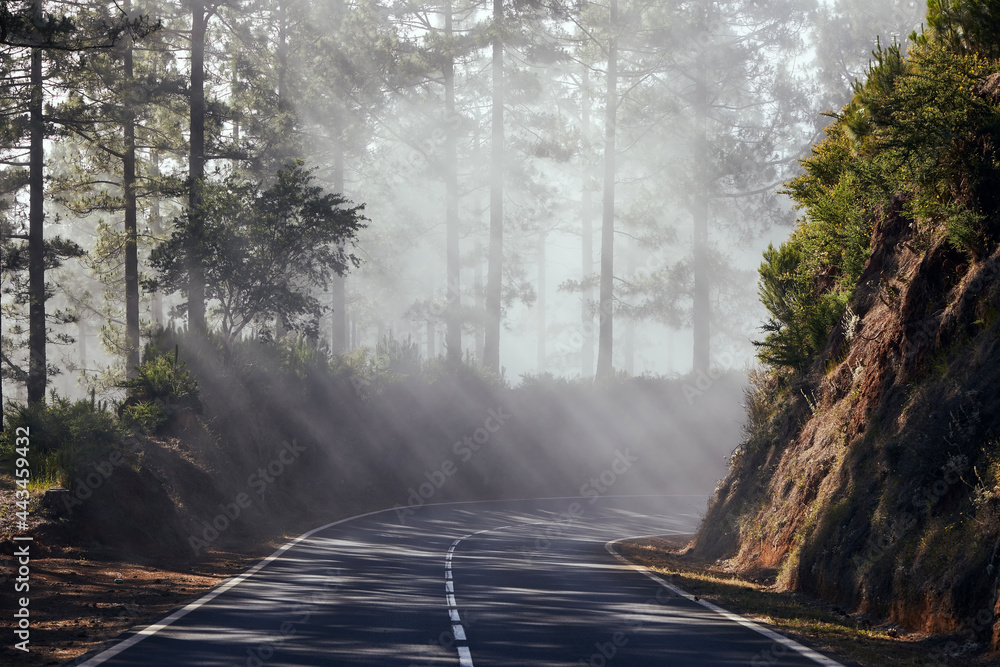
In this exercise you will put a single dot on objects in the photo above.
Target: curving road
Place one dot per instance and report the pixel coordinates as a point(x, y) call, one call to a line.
point(483, 584)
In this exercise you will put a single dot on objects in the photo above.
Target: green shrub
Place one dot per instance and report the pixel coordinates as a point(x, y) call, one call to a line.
point(916, 132)
point(64, 434)
point(161, 381)
point(144, 417)
point(468, 372)
point(395, 359)
point(301, 357)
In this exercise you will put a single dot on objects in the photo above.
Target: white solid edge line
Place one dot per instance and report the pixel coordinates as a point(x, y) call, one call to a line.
point(150, 630)
point(805, 651)
point(153, 628)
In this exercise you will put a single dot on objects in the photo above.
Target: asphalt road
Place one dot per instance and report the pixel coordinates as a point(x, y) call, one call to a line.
point(484, 584)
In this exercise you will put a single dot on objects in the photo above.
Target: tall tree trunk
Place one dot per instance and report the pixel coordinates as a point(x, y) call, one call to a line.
point(453, 336)
point(343, 335)
point(196, 171)
point(282, 57)
point(280, 330)
point(285, 150)
point(701, 311)
point(541, 302)
point(701, 307)
point(494, 274)
point(131, 232)
point(587, 236)
point(626, 257)
point(628, 347)
point(155, 228)
point(338, 287)
point(479, 303)
point(81, 347)
point(36, 239)
point(606, 309)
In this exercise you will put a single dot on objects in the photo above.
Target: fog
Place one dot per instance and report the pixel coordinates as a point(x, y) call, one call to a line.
point(593, 203)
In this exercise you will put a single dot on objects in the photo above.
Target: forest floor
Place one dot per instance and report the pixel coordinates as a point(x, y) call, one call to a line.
point(81, 598)
point(76, 604)
point(818, 624)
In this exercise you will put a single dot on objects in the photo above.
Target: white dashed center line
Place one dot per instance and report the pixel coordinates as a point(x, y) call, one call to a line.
point(457, 629)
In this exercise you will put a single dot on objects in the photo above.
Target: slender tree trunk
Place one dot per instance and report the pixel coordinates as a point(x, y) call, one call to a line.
point(196, 169)
point(155, 228)
point(626, 257)
point(479, 303)
point(541, 302)
point(494, 275)
point(453, 337)
point(131, 232)
point(81, 347)
point(235, 118)
point(280, 330)
point(587, 236)
point(701, 307)
point(606, 309)
point(285, 149)
point(628, 347)
point(343, 336)
point(338, 287)
point(36, 239)
point(701, 311)
point(282, 57)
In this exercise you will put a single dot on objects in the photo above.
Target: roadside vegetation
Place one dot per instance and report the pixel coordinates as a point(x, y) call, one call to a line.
point(867, 471)
point(197, 421)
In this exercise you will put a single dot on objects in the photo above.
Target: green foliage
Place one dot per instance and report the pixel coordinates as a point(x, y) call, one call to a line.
point(64, 434)
point(548, 381)
point(969, 26)
point(301, 356)
point(160, 388)
point(264, 250)
point(144, 417)
point(469, 372)
point(918, 131)
point(396, 358)
point(395, 362)
point(802, 312)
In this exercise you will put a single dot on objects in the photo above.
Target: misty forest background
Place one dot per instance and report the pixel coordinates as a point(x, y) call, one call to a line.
point(227, 226)
point(546, 187)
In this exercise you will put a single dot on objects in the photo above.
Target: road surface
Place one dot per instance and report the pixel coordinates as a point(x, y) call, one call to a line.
point(469, 584)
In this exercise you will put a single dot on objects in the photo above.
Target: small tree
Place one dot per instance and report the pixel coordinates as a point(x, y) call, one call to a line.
point(263, 250)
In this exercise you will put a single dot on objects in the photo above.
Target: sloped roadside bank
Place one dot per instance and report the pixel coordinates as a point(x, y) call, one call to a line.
point(853, 639)
point(868, 474)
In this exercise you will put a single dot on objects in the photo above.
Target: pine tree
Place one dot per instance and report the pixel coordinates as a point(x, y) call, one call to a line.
point(30, 33)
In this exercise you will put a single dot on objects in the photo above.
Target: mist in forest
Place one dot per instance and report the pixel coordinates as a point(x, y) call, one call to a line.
point(543, 191)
